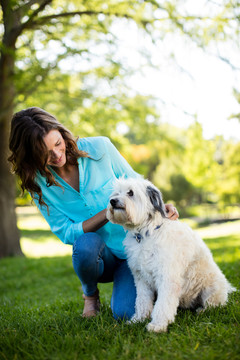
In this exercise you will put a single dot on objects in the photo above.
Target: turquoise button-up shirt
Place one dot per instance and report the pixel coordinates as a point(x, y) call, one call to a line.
point(68, 208)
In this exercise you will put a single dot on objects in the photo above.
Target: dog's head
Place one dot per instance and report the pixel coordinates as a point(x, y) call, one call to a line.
point(134, 202)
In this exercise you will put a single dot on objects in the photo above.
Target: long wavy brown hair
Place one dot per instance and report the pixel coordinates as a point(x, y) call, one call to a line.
point(29, 153)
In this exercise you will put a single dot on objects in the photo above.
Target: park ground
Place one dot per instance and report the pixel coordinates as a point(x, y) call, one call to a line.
point(41, 304)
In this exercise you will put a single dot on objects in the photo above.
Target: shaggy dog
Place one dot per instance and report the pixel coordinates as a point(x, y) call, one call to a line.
point(171, 265)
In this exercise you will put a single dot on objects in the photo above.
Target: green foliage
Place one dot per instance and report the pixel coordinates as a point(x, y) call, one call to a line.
point(236, 94)
point(22, 199)
point(199, 165)
point(205, 171)
point(182, 192)
point(230, 174)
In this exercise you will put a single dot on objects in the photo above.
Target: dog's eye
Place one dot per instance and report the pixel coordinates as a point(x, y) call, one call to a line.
point(130, 193)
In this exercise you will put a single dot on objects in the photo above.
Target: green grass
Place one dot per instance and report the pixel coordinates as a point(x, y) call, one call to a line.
point(41, 305)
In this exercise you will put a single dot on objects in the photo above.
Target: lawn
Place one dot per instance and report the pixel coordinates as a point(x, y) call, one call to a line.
point(41, 304)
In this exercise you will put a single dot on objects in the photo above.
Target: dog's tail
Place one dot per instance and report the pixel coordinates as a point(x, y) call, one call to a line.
point(230, 288)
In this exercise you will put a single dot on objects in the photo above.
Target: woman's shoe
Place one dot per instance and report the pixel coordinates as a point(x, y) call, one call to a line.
point(91, 305)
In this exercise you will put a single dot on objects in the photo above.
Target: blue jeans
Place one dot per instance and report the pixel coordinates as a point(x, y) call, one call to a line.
point(94, 263)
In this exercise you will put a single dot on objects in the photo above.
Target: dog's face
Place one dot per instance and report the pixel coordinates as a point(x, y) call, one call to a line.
point(134, 202)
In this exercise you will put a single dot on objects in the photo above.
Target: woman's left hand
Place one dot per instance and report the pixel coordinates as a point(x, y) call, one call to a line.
point(172, 212)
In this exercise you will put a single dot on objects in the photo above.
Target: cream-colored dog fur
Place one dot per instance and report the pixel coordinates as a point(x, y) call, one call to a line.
point(166, 257)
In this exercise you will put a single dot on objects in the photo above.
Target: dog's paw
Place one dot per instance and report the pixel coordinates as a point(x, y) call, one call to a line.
point(200, 310)
point(134, 319)
point(156, 327)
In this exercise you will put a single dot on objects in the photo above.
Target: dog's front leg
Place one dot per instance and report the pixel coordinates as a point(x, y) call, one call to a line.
point(144, 300)
point(166, 305)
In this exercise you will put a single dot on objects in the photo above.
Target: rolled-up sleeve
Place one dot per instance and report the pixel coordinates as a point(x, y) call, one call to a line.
point(62, 226)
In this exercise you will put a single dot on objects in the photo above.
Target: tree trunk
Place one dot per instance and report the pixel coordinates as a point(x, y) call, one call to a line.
point(9, 234)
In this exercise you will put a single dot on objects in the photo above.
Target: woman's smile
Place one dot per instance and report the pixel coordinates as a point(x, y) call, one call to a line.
point(56, 148)
point(57, 161)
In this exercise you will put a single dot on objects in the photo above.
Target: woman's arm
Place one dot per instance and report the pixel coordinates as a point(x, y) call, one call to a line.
point(95, 222)
point(99, 220)
point(61, 225)
point(66, 229)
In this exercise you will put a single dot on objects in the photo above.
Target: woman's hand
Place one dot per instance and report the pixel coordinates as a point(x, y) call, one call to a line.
point(172, 212)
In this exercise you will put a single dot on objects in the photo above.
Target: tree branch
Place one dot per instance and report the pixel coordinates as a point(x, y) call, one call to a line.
point(23, 8)
point(43, 19)
point(30, 21)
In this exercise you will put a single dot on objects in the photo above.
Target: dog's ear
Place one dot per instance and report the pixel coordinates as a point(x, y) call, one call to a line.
point(156, 200)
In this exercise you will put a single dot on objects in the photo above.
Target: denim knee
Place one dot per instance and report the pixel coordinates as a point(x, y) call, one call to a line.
point(87, 247)
point(86, 260)
point(123, 303)
point(124, 292)
point(121, 311)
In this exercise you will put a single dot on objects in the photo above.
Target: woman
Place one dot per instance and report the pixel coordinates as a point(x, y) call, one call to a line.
point(70, 181)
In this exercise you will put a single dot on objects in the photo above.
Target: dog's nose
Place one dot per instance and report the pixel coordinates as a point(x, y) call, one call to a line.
point(113, 202)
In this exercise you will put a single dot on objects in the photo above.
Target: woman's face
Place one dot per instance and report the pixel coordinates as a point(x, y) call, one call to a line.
point(56, 148)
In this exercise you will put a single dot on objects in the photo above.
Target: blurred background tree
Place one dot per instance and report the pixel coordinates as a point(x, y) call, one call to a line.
point(65, 57)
